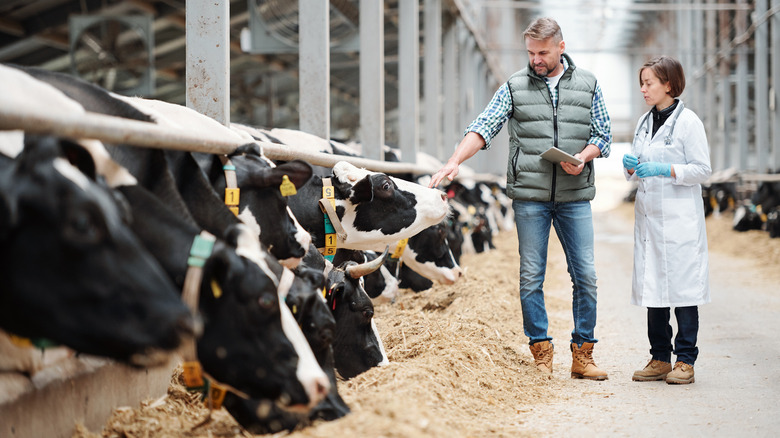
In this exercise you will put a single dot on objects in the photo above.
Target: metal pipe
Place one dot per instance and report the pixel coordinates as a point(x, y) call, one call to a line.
point(144, 134)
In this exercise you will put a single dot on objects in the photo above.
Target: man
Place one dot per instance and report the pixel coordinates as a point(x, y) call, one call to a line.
point(549, 103)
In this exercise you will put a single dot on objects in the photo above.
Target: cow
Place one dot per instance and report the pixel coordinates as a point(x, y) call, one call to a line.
point(316, 320)
point(357, 347)
point(746, 218)
point(73, 271)
point(373, 208)
point(767, 196)
point(428, 253)
point(261, 203)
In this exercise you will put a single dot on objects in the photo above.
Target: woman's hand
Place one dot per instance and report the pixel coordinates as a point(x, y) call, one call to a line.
point(651, 168)
point(630, 161)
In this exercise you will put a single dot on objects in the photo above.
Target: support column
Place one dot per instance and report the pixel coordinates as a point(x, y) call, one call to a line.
point(409, 79)
point(372, 78)
point(432, 77)
point(710, 110)
point(451, 130)
point(208, 58)
point(725, 94)
point(314, 67)
point(742, 90)
point(774, 101)
point(761, 85)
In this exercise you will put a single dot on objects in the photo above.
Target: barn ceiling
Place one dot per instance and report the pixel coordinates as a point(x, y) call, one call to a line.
point(39, 32)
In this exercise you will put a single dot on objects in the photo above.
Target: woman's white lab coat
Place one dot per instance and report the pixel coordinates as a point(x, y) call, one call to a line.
point(670, 238)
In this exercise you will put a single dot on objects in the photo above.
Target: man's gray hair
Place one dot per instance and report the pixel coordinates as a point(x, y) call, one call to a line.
point(543, 28)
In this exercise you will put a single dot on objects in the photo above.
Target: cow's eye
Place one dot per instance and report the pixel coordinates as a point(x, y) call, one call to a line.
point(83, 227)
point(386, 186)
point(267, 301)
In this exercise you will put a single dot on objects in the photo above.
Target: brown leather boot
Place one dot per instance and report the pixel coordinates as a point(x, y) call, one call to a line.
point(543, 356)
point(654, 370)
point(681, 374)
point(582, 364)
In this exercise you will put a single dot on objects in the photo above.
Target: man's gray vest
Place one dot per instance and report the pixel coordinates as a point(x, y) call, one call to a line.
point(535, 126)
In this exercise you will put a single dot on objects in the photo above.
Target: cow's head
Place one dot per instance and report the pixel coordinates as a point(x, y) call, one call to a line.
point(428, 253)
point(380, 284)
point(72, 270)
point(263, 206)
point(247, 341)
point(376, 209)
point(357, 346)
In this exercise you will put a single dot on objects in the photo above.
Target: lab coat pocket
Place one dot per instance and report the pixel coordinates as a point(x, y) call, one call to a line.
point(682, 246)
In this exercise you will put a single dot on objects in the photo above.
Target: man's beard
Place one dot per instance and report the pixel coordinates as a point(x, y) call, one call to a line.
point(543, 70)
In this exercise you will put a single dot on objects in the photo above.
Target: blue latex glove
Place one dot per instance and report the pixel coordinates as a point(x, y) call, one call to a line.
point(630, 161)
point(652, 168)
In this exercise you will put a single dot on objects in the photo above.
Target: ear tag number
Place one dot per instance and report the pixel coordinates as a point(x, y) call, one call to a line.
point(287, 187)
point(232, 197)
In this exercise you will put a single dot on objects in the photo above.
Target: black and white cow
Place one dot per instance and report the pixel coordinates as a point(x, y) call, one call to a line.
point(428, 253)
point(72, 269)
point(319, 327)
point(374, 209)
point(357, 347)
point(746, 218)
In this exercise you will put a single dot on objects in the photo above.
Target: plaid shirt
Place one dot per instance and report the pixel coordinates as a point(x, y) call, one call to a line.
point(500, 109)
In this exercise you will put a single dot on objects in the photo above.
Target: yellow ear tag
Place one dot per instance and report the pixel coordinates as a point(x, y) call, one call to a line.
point(399, 249)
point(23, 342)
point(472, 210)
point(192, 374)
point(217, 395)
point(294, 309)
point(287, 187)
point(215, 289)
point(324, 293)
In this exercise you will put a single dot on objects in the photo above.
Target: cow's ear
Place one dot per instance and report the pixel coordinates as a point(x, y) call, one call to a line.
point(231, 235)
point(362, 191)
point(78, 156)
point(248, 149)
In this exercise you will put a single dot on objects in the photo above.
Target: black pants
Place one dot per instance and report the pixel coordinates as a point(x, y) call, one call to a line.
point(659, 332)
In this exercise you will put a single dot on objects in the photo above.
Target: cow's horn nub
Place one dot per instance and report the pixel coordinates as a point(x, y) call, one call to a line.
point(357, 271)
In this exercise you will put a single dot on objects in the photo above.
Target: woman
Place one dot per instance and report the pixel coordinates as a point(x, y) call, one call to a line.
point(670, 159)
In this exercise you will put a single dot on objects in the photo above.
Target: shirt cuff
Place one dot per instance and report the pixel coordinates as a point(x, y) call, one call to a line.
point(602, 144)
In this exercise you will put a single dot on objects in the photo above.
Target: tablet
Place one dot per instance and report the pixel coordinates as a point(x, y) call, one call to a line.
point(556, 156)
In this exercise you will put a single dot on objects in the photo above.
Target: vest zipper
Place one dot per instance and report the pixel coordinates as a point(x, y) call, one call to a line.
point(555, 143)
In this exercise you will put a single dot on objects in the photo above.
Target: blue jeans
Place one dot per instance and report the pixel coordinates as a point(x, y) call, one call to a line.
point(659, 332)
point(573, 222)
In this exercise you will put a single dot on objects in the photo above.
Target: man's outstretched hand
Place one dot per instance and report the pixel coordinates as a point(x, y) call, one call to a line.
point(450, 171)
